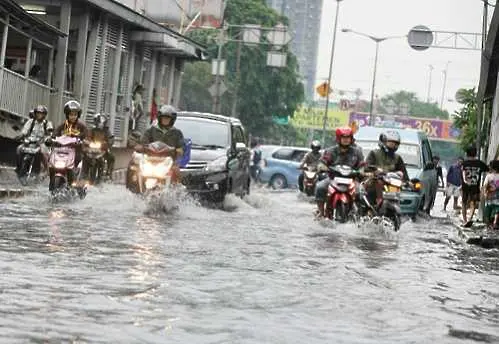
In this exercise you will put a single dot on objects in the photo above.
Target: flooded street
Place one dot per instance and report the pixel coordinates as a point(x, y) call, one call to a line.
point(109, 270)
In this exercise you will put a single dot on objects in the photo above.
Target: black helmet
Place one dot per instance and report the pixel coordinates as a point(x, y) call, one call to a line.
point(100, 121)
point(390, 135)
point(167, 111)
point(72, 105)
point(315, 146)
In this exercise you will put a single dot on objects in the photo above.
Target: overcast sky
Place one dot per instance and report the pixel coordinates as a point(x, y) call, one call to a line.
point(399, 66)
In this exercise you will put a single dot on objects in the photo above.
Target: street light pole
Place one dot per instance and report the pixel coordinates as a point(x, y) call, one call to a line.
point(377, 40)
point(324, 119)
point(371, 108)
point(444, 86)
point(428, 97)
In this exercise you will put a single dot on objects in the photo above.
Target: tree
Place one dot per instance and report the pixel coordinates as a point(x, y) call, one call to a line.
point(262, 91)
point(417, 108)
point(466, 119)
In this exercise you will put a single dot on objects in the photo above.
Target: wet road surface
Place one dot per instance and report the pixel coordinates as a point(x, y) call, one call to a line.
point(111, 269)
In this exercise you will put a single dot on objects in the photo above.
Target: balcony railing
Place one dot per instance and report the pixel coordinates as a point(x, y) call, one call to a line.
point(19, 94)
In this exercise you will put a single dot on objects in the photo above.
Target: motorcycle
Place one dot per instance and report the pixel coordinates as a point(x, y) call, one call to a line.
point(94, 153)
point(31, 154)
point(310, 178)
point(389, 209)
point(62, 160)
point(152, 169)
point(340, 203)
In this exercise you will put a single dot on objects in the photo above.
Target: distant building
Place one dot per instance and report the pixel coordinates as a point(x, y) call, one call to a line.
point(305, 24)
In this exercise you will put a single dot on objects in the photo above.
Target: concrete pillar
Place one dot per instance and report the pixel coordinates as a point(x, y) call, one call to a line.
point(171, 81)
point(179, 70)
point(81, 54)
point(494, 126)
point(60, 61)
point(116, 79)
point(149, 88)
point(27, 67)
point(3, 50)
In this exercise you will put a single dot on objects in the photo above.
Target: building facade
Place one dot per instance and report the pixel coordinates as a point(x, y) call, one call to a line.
point(93, 51)
point(305, 25)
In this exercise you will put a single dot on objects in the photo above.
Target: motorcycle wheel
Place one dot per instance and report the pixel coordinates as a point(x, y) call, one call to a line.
point(309, 192)
point(59, 183)
point(395, 218)
point(341, 212)
point(93, 174)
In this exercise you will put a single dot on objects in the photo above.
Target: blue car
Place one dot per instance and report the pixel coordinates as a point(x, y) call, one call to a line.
point(416, 151)
point(279, 166)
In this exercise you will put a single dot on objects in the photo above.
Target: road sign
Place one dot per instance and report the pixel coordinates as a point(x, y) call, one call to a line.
point(420, 37)
point(279, 36)
point(323, 89)
point(213, 89)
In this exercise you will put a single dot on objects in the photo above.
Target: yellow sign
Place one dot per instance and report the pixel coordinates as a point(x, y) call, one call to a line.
point(313, 118)
point(323, 89)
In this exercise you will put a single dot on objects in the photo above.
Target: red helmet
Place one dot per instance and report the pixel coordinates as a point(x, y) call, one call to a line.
point(343, 132)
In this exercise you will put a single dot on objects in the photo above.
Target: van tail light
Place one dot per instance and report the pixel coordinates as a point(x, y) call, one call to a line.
point(263, 163)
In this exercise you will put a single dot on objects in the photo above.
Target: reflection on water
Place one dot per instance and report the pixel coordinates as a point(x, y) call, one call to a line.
point(116, 268)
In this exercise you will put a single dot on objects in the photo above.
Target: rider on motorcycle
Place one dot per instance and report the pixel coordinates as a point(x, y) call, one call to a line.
point(37, 128)
point(73, 127)
point(100, 133)
point(386, 159)
point(344, 153)
point(163, 130)
point(311, 159)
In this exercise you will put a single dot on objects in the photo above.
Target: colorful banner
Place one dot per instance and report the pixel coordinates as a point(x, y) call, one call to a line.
point(313, 118)
point(434, 128)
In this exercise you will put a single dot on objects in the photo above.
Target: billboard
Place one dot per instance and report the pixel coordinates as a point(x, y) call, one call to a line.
point(170, 11)
point(313, 117)
point(434, 128)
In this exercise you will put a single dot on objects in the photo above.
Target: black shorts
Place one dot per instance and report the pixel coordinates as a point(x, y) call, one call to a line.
point(470, 193)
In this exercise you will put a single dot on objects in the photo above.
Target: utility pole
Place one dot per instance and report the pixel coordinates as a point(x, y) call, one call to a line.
point(444, 86)
point(324, 120)
point(216, 98)
point(428, 97)
point(238, 78)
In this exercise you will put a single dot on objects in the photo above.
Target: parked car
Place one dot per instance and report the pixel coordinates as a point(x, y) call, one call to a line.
point(416, 151)
point(219, 162)
point(279, 166)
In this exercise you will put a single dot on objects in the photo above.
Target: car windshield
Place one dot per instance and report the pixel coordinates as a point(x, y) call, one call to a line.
point(203, 132)
point(410, 153)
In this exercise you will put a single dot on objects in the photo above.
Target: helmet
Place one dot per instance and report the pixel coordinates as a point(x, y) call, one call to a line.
point(72, 105)
point(315, 145)
point(100, 121)
point(343, 132)
point(40, 108)
point(167, 111)
point(390, 135)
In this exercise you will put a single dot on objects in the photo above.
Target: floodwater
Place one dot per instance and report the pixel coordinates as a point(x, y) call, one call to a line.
point(112, 269)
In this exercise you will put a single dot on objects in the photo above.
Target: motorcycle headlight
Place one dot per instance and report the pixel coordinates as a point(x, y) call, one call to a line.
point(159, 170)
point(60, 164)
point(95, 145)
point(217, 165)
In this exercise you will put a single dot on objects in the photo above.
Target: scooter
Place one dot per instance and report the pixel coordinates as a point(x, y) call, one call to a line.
point(62, 160)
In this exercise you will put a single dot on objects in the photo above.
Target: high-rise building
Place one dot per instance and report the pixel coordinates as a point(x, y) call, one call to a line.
point(305, 24)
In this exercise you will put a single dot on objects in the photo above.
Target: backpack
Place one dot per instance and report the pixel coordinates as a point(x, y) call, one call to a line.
point(257, 156)
point(184, 159)
point(33, 125)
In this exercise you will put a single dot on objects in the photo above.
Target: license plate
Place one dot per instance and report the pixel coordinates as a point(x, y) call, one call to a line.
point(392, 188)
point(340, 180)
